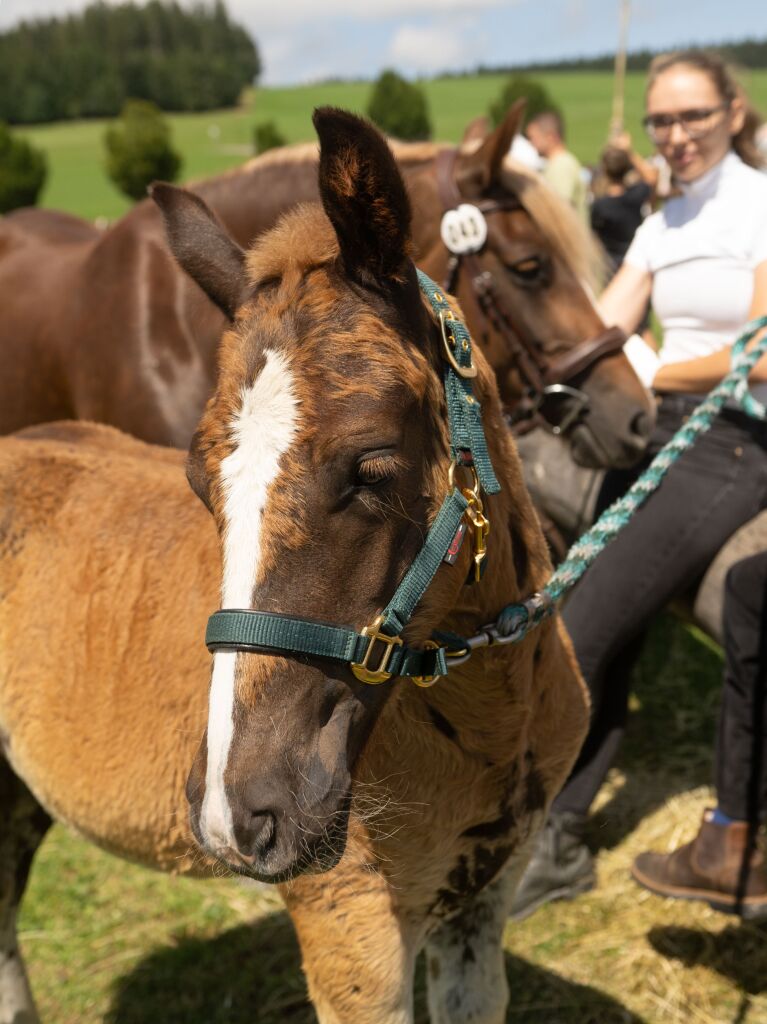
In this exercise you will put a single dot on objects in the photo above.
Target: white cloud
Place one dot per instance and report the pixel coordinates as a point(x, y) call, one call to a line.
point(436, 47)
point(429, 48)
point(291, 13)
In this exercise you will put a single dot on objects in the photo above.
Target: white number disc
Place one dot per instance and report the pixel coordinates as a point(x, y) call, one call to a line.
point(464, 229)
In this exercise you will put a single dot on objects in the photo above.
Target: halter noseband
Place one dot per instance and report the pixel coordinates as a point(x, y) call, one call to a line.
point(377, 652)
point(543, 379)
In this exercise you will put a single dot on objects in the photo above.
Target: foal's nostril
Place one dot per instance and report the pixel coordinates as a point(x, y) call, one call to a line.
point(258, 835)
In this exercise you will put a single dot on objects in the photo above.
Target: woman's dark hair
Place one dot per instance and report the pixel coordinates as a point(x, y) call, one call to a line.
point(711, 64)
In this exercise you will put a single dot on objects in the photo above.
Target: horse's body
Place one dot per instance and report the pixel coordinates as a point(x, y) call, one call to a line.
point(419, 804)
point(104, 326)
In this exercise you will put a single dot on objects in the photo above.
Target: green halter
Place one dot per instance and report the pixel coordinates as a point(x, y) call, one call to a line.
point(378, 652)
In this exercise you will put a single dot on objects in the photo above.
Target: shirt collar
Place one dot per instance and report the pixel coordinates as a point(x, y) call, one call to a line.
point(707, 184)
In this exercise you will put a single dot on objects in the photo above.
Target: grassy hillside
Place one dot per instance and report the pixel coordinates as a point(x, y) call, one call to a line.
point(212, 142)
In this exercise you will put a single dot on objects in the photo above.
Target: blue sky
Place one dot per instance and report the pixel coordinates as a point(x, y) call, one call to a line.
point(303, 40)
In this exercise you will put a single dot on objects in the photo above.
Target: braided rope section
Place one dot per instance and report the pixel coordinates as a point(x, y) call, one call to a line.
point(733, 386)
point(516, 620)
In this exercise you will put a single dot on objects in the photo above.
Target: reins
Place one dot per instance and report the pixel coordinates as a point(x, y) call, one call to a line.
point(543, 378)
point(377, 652)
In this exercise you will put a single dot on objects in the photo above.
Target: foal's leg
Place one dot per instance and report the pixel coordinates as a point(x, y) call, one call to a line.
point(465, 964)
point(24, 823)
point(357, 957)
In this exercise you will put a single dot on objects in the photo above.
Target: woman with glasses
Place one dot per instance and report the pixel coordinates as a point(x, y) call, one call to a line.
point(702, 261)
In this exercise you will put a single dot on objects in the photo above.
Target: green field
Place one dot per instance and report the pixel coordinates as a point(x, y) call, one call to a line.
point(214, 141)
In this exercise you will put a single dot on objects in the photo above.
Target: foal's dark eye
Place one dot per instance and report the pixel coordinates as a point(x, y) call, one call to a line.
point(376, 468)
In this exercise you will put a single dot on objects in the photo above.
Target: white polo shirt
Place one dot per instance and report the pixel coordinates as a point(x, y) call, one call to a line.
point(702, 249)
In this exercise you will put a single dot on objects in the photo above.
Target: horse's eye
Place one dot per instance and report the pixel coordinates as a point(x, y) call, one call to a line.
point(529, 269)
point(376, 468)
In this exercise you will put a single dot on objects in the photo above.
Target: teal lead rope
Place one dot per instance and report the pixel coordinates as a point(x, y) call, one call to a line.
point(517, 619)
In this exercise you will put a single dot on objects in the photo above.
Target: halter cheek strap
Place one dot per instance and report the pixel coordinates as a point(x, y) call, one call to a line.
point(377, 652)
point(545, 379)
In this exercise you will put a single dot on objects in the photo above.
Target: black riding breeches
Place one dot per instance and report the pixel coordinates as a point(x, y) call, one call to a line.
point(741, 757)
point(712, 490)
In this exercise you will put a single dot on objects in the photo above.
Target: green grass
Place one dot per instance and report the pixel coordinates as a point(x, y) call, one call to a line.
point(110, 943)
point(215, 141)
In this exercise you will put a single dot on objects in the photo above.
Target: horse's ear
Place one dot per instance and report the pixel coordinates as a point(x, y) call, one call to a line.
point(364, 196)
point(201, 246)
point(476, 131)
point(485, 163)
point(195, 471)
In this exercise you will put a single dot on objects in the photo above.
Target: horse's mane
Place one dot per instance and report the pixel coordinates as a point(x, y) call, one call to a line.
point(558, 221)
point(561, 225)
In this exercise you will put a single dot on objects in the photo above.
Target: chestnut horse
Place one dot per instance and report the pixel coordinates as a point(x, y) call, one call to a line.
point(393, 816)
point(104, 326)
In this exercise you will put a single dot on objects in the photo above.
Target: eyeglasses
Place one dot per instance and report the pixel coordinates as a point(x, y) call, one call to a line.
point(695, 123)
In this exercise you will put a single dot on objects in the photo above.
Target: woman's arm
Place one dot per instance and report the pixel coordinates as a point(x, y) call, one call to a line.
point(703, 374)
point(624, 300)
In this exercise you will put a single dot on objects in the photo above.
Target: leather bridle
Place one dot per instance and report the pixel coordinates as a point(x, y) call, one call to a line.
point(543, 378)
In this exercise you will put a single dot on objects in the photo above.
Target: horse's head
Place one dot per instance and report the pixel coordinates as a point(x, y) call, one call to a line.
point(323, 456)
point(526, 292)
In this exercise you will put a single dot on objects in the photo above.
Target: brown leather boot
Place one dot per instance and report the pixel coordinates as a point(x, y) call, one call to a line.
point(717, 867)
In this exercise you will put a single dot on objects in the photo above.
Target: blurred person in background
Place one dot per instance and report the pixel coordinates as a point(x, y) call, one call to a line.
point(703, 260)
point(623, 190)
point(761, 141)
point(561, 170)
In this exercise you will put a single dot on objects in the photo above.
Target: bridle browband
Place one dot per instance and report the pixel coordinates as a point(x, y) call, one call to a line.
point(541, 377)
point(378, 652)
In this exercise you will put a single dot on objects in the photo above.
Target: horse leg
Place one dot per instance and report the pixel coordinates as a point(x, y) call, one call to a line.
point(358, 960)
point(24, 825)
point(465, 966)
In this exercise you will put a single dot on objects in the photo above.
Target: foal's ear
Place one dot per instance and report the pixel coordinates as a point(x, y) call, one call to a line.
point(201, 246)
point(364, 196)
point(195, 471)
point(485, 164)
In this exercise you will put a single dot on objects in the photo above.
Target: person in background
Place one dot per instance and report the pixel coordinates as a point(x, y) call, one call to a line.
point(562, 171)
point(761, 141)
point(623, 189)
point(525, 152)
point(703, 260)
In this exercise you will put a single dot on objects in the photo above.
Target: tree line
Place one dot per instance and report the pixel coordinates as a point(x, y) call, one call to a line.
point(748, 53)
point(87, 65)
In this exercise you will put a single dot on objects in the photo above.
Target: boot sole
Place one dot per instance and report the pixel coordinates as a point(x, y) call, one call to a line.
point(566, 892)
point(749, 909)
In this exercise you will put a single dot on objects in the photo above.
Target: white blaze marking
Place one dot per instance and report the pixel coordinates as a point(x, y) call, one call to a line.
point(263, 430)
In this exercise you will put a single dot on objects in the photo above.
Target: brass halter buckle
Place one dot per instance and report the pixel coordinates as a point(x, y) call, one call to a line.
point(376, 675)
point(449, 343)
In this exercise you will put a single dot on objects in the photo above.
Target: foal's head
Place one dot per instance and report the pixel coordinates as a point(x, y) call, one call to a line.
point(323, 456)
